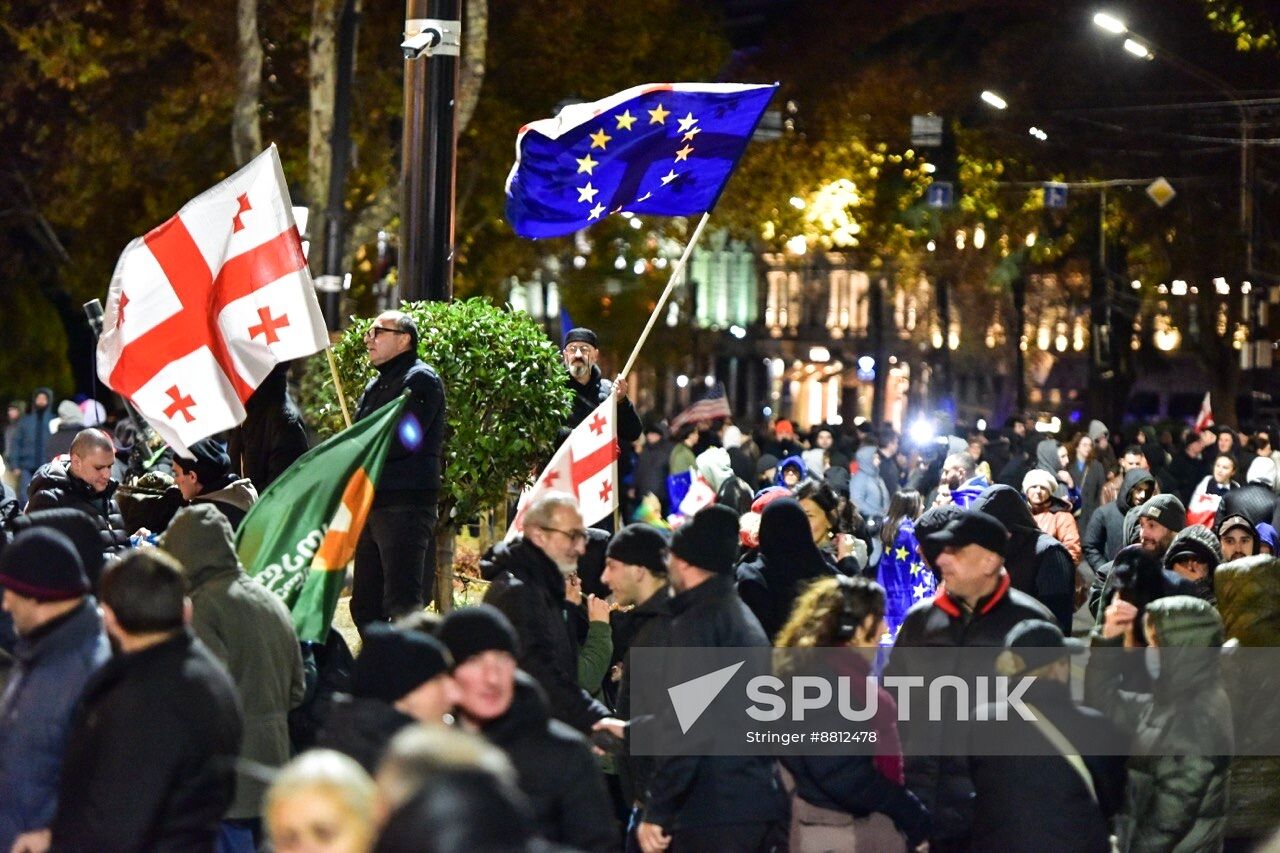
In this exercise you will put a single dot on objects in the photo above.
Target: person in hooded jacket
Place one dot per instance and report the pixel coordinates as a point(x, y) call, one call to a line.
point(84, 484)
point(785, 562)
point(714, 466)
point(1052, 513)
point(1104, 537)
point(273, 435)
point(867, 489)
point(204, 475)
point(1177, 797)
point(249, 629)
point(1194, 555)
point(1248, 597)
point(791, 472)
point(26, 452)
point(1038, 564)
point(1256, 499)
point(1052, 458)
point(554, 764)
point(70, 422)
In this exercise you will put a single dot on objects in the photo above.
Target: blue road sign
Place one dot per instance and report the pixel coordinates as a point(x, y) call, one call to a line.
point(939, 194)
point(1055, 194)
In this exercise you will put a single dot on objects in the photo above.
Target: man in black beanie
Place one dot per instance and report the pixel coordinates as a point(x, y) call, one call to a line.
point(554, 764)
point(635, 569)
point(705, 802)
point(204, 475)
point(61, 643)
point(590, 389)
point(400, 677)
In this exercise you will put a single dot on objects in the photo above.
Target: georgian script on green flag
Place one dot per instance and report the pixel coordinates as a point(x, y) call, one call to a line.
point(299, 536)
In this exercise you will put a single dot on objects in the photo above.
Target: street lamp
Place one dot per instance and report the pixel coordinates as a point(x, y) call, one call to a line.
point(992, 99)
point(1141, 48)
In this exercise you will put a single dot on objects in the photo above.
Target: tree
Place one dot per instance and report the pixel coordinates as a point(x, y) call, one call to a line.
point(505, 394)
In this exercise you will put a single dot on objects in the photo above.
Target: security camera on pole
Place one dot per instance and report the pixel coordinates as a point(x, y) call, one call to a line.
point(431, 46)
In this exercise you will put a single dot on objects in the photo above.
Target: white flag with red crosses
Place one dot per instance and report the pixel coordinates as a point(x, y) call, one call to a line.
point(202, 307)
point(585, 466)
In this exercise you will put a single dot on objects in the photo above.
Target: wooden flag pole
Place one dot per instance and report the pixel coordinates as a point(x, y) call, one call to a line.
point(662, 300)
point(337, 386)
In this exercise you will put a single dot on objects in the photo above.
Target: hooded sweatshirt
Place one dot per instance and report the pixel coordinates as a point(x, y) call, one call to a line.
point(1104, 536)
point(785, 562)
point(1038, 564)
point(716, 468)
point(1176, 798)
point(70, 422)
point(250, 630)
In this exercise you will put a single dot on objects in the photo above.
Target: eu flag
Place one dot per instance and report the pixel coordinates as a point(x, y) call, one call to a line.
point(659, 149)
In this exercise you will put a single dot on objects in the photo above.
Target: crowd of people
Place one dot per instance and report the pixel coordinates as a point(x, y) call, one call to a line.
point(156, 696)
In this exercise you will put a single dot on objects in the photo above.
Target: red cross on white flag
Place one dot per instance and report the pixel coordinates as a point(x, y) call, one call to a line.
point(585, 466)
point(217, 296)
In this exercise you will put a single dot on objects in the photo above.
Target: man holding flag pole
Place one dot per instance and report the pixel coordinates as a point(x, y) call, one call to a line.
point(663, 149)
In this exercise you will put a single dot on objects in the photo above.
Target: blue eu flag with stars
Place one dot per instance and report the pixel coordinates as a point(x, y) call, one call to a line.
point(659, 150)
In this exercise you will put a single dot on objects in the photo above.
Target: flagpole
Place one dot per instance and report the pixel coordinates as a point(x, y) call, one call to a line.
point(662, 300)
point(337, 386)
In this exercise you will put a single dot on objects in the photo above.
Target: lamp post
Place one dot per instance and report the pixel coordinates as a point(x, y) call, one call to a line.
point(1142, 48)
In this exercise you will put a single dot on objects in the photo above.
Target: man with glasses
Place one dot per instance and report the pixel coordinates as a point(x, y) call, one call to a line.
point(527, 583)
point(396, 553)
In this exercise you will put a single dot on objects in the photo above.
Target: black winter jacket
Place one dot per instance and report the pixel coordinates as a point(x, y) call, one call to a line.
point(1038, 803)
point(272, 436)
point(529, 589)
point(648, 625)
point(150, 762)
point(556, 771)
point(1255, 501)
point(409, 472)
point(1038, 564)
point(942, 782)
point(54, 487)
point(1105, 534)
point(360, 727)
point(587, 398)
point(691, 791)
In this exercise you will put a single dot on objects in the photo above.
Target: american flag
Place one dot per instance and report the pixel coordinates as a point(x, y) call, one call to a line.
point(712, 406)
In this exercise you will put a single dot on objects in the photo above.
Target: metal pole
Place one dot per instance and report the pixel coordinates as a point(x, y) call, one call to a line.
point(880, 383)
point(1020, 323)
point(339, 158)
point(429, 148)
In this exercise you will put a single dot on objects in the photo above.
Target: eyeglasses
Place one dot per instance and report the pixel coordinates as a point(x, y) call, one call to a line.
point(374, 331)
point(584, 349)
point(575, 536)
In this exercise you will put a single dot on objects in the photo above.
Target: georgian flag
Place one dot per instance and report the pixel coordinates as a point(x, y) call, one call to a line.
point(584, 466)
point(203, 306)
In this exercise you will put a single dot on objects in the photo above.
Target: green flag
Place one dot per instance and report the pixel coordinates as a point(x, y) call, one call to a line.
point(299, 536)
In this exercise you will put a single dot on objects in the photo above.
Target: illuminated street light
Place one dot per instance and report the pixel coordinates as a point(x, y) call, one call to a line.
point(992, 99)
point(1110, 23)
point(1138, 49)
point(1038, 133)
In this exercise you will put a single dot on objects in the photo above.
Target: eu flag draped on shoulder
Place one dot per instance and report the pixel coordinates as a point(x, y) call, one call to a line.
point(662, 149)
point(204, 305)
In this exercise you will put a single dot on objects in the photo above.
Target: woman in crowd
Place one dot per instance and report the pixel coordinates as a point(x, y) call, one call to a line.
point(1221, 481)
point(902, 571)
point(786, 560)
point(321, 801)
point(1052, 513)
point(838, 530)
point(850, 801)
point(1089, 474)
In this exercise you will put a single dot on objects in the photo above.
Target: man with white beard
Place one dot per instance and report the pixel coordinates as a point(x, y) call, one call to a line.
point(590, 388)
point(527, 583)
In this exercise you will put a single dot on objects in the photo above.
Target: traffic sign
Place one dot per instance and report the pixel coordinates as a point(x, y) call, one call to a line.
point(940, 194)
point(1161, 192)
point(1055, 194)
point(926, 131)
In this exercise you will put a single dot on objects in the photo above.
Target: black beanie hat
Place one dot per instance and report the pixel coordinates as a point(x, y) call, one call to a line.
point(469, 631)
point(640, 545)
point(41, 563)
point(932, 521)
point(393, 663)
point(581, 335)
point(208, 460)
point(709, 540)
point(78, 527)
